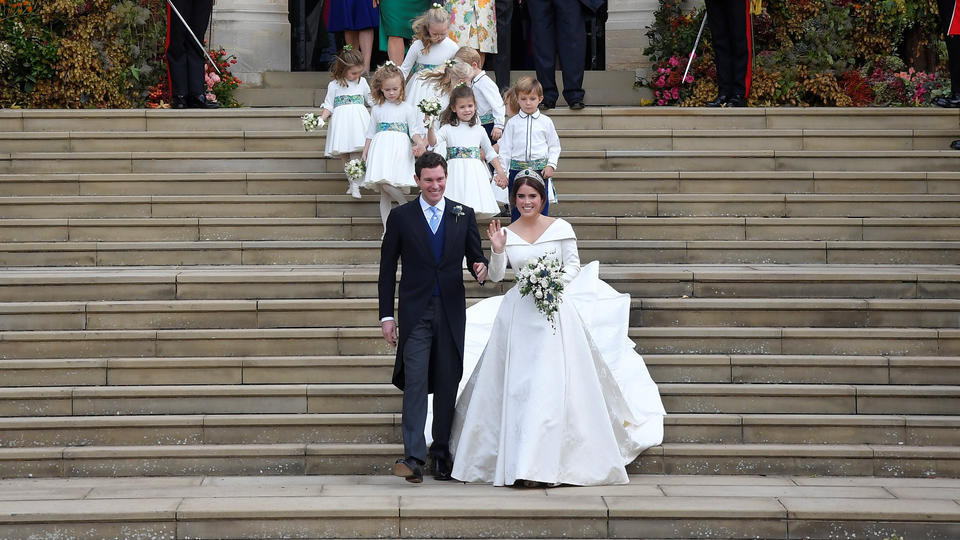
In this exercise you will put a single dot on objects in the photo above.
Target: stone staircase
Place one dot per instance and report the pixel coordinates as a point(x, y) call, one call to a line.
point(191, 293)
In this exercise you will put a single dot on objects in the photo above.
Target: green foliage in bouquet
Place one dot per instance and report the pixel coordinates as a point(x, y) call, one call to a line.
point(813, 53)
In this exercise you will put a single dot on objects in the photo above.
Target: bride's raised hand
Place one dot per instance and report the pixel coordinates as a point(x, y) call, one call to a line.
point(497, 235)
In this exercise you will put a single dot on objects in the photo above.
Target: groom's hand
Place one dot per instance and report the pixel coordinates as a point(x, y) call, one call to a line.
point(389, 329)
point(480, 270)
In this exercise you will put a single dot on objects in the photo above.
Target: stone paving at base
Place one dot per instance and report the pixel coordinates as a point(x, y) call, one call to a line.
point(651, 506)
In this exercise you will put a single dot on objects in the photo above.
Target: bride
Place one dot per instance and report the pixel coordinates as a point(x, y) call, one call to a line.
point(571, 405)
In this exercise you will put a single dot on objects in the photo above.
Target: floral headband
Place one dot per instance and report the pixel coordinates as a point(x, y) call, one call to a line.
point(450, 62)
point(436, 6)
point(348, 47)
point(388, 63)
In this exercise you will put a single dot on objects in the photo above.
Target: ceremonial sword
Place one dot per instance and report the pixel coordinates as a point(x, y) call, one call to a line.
point(197, 41)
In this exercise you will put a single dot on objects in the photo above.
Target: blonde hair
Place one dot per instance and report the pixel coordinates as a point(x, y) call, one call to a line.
point(528, 85)
point(445, 77)
point(421, 25)
point(347, 59)
point(511, 102)
point(385, 73)
point(468, 55)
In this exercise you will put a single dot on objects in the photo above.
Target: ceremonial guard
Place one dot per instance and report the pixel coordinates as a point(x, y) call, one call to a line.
point(732, 33)
point(186, 25)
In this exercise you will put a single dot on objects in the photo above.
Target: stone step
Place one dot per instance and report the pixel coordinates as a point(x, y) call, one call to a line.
point(374, 428)
point(367, 252)
point(572, 160)
point(299, 459)
point(288, 119)
point(359, 312)
point(645, 281)
point(367, 369)
point(635, 138)
point(674, 507)
point(573, 183)
point(166, 162)
point(54, 344)
point(156, 229)
point(385, 398)
point(573, 205)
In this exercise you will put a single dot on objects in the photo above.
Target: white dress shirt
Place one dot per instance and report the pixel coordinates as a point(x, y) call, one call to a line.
point(489, 100)
point(528, 137)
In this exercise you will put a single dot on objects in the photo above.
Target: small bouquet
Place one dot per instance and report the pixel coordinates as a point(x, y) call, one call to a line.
point(431, 108)
point(543, 278)
point(312, 122)
point(355, 168)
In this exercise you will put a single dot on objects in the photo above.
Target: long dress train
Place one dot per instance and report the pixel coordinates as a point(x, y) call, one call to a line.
point(571, 406)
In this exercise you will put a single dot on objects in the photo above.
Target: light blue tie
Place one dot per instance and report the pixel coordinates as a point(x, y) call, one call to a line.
point(434, 219)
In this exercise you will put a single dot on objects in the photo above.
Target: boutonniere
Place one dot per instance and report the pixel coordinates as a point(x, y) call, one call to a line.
point(457, 211)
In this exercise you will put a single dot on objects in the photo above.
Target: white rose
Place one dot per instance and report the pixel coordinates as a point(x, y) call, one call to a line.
point(539, 294)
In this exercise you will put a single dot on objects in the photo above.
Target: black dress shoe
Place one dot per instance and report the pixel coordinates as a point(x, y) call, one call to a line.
point(949, 102)
point(200, 102)
point(546, 105)
point(577, 106)
point(736, 101)
point(178, 102)
point(441, 469)
point(955, 145)
point(720, 101)
point(409, 469)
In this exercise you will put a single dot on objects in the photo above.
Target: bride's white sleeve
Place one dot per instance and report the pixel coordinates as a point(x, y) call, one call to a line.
point(570, 258)
point(498, 266)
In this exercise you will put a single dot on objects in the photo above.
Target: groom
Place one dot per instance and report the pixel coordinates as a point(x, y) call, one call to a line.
point(430, 235)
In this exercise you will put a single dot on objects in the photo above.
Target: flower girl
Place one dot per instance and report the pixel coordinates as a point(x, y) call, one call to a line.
point(430, 48)
point(463, 141)
point(347, 98)
point(387, 153)
point(438, 83)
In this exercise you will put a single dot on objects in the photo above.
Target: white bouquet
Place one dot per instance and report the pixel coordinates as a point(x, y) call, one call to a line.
point(355, 168)
point(431, 108)
point(543, 278)
point(312, 122)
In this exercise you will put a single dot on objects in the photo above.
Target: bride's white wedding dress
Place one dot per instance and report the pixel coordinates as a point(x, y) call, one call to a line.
point(570, 406)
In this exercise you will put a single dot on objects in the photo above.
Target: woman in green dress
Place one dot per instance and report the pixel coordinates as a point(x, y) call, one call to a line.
point(395, 19)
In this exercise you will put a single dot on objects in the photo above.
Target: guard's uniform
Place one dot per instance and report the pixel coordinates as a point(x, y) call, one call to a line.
point(950, 24)
point(730, 27)
point(185, 60)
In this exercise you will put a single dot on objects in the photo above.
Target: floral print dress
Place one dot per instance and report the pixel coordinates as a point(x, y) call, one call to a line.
point(473, 23)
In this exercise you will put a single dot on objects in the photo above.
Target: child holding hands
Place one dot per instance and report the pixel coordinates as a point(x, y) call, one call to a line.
point(529, 140)
point(388, 153)
point(346, 106)
point(490, 106)
point(463, 142)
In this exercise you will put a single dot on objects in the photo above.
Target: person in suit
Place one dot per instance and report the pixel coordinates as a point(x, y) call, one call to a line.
point(950, 25)
point(501, 60)
point(430, 236)
point(558, 29)
point(185, 60)
point(730, 26)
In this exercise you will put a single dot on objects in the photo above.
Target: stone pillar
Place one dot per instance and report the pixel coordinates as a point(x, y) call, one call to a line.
point(257, 32)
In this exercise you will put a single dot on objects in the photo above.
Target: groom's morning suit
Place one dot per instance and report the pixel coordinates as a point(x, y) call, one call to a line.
point(432, 313)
